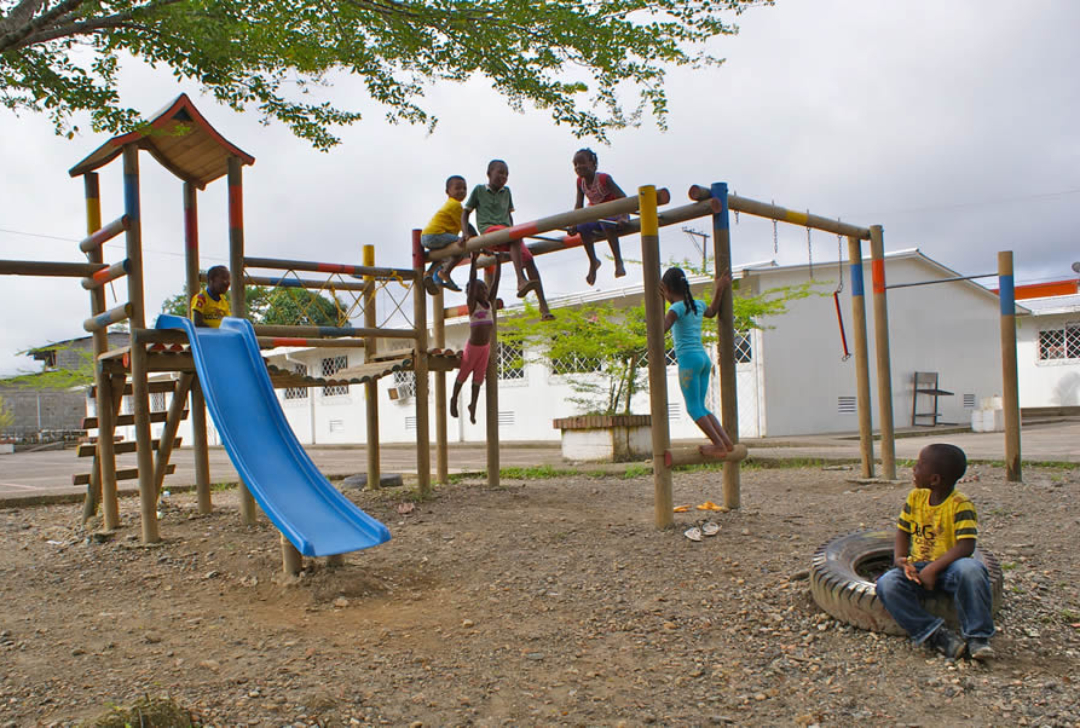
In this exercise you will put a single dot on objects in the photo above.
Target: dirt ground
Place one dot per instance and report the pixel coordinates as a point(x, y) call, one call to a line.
point(543, 602)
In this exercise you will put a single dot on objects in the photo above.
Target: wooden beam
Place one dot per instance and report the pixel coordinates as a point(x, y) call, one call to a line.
point(49, 268)
point(126, 446)
point(125, 474)
point(91, 423)
point(693, 456)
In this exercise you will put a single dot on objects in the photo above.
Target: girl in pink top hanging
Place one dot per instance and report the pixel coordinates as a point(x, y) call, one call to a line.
point(481, 303)
point(597, 187)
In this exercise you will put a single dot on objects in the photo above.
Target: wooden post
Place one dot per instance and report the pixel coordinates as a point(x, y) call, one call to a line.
point(725, 323)
point(291, 560)
point(654, 326)
point(442, 458)
point(371, 389)
point(491, 397)
point(140, 385)
point(884, 366)
point(1010, 390)
point(420, 370)
point(168, 433)
point(105, 461)
point(862, 357)
point(236, 292)
point(199, 440)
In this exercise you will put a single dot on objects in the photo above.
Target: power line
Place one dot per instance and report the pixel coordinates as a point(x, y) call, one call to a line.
point(960, 205)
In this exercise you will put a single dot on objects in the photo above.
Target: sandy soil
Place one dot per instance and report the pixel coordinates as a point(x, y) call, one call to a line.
point(546, 602)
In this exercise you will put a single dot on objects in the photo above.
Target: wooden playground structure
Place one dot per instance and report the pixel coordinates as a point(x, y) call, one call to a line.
point(183, 141)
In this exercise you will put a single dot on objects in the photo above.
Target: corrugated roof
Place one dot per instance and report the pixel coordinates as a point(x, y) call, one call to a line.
point(1053, 305)
point(181, 139)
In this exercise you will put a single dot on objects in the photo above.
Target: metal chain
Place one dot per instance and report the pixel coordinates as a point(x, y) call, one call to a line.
point(839, 260)
point(775, 239)
point(735, 193)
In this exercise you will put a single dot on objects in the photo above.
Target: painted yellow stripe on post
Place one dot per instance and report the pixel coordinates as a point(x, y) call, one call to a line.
point(650, 225)
point(799, 218)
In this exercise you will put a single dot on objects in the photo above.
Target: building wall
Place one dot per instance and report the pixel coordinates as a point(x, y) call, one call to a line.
point(1046, 382)
point(951, 328)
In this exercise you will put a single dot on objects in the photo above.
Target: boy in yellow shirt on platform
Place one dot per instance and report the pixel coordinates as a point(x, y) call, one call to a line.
point(210, 305)
point(443, 230)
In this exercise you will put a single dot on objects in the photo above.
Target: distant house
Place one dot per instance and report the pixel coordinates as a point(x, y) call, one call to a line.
point(791, 377)
point(43, 401)
point(1048, 345)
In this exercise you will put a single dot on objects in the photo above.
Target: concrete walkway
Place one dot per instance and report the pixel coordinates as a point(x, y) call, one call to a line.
point(46, 476)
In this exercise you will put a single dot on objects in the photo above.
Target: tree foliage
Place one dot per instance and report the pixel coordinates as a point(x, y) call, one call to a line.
point(616, 337)
point(569, 58)
point(7, 417)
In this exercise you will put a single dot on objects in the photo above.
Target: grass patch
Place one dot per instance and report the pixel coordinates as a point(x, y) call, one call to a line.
point(220, 487)
point(636, 470)
point(537, 472)
point(146, 711)
point(1070, 615)
point(1008, 566)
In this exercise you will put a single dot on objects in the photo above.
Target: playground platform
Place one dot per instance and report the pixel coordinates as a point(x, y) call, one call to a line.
point(45, 477)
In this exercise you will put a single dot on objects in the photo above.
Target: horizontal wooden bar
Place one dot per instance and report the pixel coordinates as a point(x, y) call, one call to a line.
point(87, 450)
point(782, 214)
point(103, 276)
point(123, 474)
point(631, 227)
point(308, 284)
point(91, 423)
point(561, 221)
point(49, 268)
point(168, 385)
point(939, 280)
point(103, 235)
point(275, 341)
point(693, 456)
point(344, 269)
point(112, 316)
point(322, 332)
point(159, 336)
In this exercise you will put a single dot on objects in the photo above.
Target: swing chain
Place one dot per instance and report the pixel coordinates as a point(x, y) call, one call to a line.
point(775, 237)
point(735, 193)
point(809, 249)
point(839, 260)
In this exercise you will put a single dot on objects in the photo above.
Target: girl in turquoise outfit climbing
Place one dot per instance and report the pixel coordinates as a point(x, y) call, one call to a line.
point(683, 319)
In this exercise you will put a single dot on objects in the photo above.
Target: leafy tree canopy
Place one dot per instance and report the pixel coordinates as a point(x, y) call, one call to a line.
point(280, 306)
point(61, 57)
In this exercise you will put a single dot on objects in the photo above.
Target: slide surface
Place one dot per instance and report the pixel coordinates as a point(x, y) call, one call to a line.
point(301, 502)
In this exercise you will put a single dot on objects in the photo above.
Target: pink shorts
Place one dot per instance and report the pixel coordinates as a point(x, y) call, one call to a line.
point(474, 361)
point(526, 254)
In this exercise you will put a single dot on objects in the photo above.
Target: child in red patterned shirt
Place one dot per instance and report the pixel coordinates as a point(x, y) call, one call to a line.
point(597, 187)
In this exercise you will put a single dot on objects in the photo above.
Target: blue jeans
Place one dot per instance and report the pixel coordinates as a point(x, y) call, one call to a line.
point(966, 580)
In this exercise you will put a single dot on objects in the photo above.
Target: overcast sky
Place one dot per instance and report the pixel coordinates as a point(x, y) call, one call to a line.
point(953, 124)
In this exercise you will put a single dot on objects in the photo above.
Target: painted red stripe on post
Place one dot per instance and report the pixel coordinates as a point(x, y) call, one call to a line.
point(191, 229)
point(877, 272)
point(285, 341)
point(525, 229)
point(236, 207)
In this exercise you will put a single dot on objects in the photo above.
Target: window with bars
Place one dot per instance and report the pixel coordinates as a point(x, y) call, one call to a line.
point(292, 393)
point(331, 366)
point(744, 352)
point(575, 364)
point(669, 357)
point(511, 361)
point(1063, 343)
point(405, 384)
point(157, 402)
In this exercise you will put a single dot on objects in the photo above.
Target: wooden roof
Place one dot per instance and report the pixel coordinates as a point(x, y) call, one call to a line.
point(178, 137)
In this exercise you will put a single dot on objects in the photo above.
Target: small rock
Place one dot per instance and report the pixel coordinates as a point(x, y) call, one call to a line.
point(468, 623)
point(341, 602)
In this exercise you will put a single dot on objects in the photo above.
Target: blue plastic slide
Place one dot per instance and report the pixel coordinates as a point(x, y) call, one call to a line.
point(301, 502)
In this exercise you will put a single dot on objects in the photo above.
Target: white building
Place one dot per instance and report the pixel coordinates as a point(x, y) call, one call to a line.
point(791, 376)
point(1048, 351)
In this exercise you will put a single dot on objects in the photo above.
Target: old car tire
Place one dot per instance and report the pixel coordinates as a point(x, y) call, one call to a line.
point(844, 570)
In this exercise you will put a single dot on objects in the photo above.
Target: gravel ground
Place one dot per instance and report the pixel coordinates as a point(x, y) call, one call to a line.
point(543, 602)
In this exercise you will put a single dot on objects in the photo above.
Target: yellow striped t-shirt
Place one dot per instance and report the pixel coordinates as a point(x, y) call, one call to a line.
point(936, 529)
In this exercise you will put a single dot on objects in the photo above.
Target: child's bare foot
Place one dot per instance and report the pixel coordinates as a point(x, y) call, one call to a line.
point(713, 451)
point(453, 407)
point(594, 265)
point(620, 271)
point(523, 289)
point(549, 316)
point(472, 412)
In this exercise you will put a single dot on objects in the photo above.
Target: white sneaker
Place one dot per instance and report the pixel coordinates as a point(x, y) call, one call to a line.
point(693, 533)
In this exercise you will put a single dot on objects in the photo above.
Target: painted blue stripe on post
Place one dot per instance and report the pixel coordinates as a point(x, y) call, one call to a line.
point(719, 191)
point(131, 196)
point(1007, 295)
point(286, 282)
point(857, 280)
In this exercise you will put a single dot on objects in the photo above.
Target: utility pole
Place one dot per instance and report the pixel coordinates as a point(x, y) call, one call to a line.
point(702, 247)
